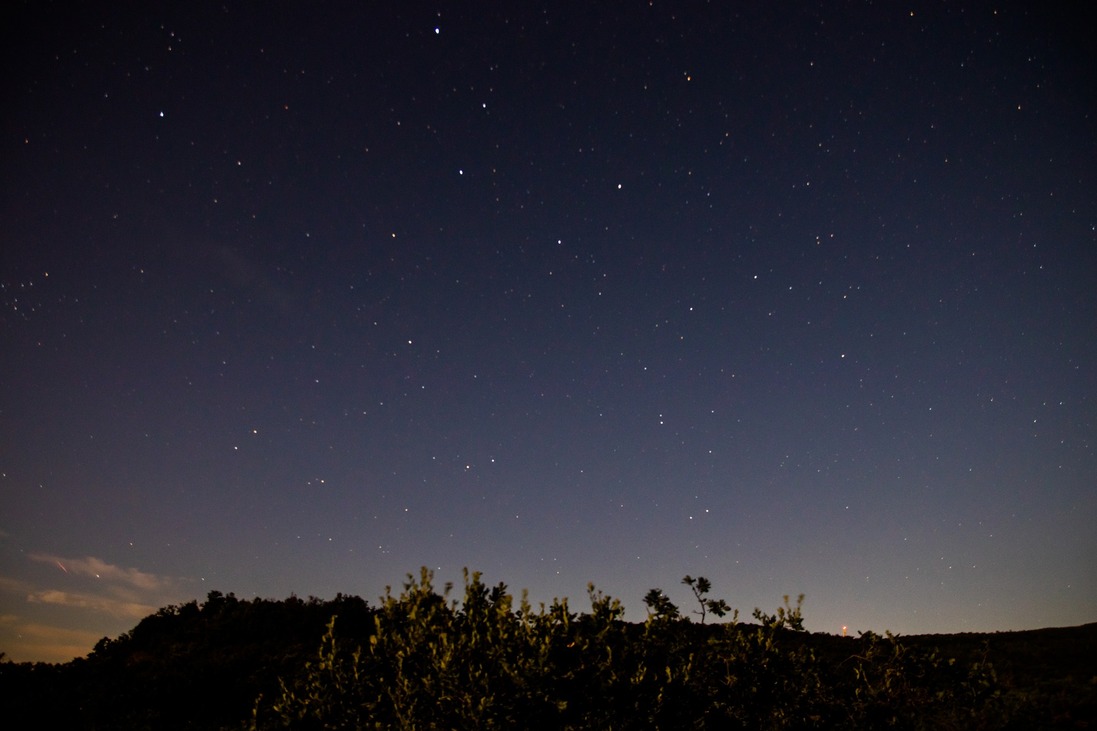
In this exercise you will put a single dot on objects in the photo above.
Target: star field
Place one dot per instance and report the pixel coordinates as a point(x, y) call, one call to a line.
point(297, 299)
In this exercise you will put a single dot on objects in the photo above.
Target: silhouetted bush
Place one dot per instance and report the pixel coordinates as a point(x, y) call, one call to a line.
point(423, 659)
point(433, 662)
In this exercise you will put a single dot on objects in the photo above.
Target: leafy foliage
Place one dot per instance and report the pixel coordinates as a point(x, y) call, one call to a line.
point(660, 606)
point(433, 662)
point(700, 587)
point(425, 658)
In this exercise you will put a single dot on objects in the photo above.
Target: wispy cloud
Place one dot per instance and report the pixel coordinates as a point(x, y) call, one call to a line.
point(108, 605)
point(14, 586)
point(99, 569)
point(83, 599)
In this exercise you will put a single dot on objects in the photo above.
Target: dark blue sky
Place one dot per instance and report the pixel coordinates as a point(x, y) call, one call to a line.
point(298, 298)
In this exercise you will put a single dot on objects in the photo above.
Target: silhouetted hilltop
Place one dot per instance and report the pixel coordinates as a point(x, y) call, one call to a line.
point(203, 666)
point(187, 666)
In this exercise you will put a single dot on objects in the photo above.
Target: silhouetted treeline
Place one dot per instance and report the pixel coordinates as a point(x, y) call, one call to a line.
point(189, 666)
point(420, 659)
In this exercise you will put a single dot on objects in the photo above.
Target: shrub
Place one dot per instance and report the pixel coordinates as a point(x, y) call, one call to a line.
point(435, 663)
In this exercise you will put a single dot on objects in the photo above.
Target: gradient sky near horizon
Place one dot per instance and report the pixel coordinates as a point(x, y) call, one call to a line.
point(298, 297)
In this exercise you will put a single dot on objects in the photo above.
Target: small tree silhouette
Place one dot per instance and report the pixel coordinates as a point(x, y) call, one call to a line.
point(700, 587)
point(660, 606)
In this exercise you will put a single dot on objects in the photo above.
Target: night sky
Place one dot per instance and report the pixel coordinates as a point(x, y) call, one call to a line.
point(299, 297)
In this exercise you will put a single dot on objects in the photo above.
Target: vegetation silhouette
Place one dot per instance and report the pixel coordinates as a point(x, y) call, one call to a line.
point(423, 658)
